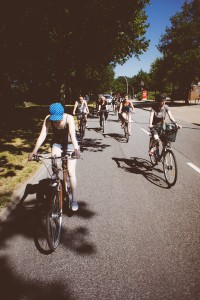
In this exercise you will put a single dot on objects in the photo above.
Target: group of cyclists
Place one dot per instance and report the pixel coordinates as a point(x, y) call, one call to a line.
point(64, 130)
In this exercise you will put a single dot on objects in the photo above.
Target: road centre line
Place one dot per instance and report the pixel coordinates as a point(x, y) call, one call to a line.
point(194, 167)
point(146, 131)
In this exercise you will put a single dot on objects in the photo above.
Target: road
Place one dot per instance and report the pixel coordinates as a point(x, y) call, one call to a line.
point(132, 238)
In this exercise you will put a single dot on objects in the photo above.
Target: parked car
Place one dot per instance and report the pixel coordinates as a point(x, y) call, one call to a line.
point(108, 98)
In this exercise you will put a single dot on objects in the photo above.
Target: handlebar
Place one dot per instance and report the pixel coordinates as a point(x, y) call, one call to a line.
point(173, 126)
point(39, 157)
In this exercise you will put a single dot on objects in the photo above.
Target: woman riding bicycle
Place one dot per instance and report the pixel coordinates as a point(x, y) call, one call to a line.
point(64, 138)
point(157, 118)
point(103, 109)
point(126, 109)
point(80, 107)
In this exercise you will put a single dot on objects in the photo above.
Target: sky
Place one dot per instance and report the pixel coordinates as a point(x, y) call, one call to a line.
point(159, 13)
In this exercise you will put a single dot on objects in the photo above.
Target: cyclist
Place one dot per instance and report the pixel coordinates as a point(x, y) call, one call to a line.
point(81, 106)
point(103, 109)
point(157, 118)
point(64, 137)
point(125, 110)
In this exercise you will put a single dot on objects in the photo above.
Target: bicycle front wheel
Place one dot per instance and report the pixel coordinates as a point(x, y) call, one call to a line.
point(170, 167)
point(81, 133)
point(126, 134)
point(54, 220)
point(103, 124)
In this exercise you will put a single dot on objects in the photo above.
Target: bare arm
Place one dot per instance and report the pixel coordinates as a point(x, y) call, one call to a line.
point(72, 131)
point(151, 118)
point(41, 138)
point(120, 108)
point(75, 106)
point(171, 117)
point(86, 105)
point(131, 104)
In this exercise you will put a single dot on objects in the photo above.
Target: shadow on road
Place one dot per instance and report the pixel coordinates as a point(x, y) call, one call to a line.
point(93, 145)
point(142, 167)
point(15, 287)
point(118, 137)
point(28, 220)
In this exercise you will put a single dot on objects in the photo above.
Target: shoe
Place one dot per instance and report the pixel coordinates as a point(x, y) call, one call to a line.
point(86, 126)
point(151, 152)
point(129, 134)
point(74, 206)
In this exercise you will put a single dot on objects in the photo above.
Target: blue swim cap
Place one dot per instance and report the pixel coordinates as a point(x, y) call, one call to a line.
point(56, 112)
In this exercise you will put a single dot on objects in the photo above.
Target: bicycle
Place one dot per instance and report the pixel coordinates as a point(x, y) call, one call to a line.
point(82, 118)
point(126, 127)
point(59, 189)
point(126, 133)
point(115, 109)
point(102, 115)
point(167, 156)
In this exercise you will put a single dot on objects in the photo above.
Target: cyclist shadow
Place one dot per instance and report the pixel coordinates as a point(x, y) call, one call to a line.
point(93, 145)
point(118, 137)
point(143, 167)
point(40, 205)
point(77, 240)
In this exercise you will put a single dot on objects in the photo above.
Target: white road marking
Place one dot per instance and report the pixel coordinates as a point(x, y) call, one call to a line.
point(194, 167)
point(146, 131)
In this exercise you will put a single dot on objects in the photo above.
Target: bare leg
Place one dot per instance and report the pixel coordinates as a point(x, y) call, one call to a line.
point(71, 166)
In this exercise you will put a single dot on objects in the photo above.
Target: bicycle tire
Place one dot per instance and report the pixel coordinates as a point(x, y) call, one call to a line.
point(81, 130)
point(153, 158)
point(170, 167)
point(103, 123)
point(126, 134)
point(54, 220)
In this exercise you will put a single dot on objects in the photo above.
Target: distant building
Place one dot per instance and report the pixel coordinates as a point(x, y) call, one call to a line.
point(195, 92)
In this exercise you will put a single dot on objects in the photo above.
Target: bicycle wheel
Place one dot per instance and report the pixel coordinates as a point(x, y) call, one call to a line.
point(170, 167)
point(126, 134)
point(81, 130)
point(153, 157)
point(103, 123)
point(54, 220)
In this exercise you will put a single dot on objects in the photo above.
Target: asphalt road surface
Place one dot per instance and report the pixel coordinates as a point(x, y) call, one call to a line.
point(132, 238)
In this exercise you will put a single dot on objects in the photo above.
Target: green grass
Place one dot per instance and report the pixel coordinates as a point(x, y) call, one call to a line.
point(19, 130)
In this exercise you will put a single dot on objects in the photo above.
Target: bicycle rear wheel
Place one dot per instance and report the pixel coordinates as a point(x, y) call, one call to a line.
point(153, 157)
point(126, 134)
point(54, 220)
point(170, 167)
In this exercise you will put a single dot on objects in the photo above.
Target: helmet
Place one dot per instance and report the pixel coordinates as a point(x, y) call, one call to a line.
point(160, 98)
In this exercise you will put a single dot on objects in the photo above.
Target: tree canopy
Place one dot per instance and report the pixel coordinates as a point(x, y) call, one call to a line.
point(180, 47)
point(52, 43)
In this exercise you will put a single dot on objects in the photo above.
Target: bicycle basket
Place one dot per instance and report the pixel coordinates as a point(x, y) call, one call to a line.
point(169, 135)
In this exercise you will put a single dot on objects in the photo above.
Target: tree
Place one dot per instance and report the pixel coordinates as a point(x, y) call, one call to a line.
point(180, 47)
point(54, 43)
